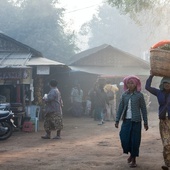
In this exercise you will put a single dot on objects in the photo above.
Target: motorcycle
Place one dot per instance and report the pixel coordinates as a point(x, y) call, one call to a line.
point(6, 122)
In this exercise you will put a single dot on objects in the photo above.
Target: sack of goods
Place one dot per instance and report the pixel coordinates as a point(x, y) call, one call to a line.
point(160, 58)
point(110, 90)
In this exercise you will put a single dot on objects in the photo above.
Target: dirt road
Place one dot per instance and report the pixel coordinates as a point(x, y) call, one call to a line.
point(84, 146)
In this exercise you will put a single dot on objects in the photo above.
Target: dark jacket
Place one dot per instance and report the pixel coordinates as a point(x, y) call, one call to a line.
point(163, 100)
point(138, 107)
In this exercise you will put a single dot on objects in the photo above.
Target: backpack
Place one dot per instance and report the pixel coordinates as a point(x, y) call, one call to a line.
point(110, 95)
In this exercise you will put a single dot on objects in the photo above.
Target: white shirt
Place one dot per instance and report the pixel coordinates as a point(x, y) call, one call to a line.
point(129, 112)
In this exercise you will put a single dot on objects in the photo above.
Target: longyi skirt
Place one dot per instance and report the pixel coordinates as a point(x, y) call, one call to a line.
point(130, 136)
point(53, 121)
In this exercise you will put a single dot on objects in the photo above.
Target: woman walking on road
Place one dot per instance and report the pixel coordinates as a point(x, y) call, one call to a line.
point(132, 108)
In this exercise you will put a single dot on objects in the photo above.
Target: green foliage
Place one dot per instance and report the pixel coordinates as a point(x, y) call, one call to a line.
point(131, 6)
point(109, 27)
point(39, 24)
point(153, 14)
point(8, 15)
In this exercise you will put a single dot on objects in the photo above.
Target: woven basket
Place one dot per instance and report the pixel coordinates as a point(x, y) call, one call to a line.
point(160, 62)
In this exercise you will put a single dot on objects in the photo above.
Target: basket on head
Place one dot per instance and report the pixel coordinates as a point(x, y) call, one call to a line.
point(160, 62)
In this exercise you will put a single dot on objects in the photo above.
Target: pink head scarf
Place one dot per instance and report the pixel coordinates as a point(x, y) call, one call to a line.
point(134, 79)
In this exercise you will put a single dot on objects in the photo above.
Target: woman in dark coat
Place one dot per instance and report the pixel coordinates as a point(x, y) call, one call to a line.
point(132, 108)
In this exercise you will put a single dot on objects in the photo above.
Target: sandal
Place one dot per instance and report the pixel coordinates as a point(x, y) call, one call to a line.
point(57, 137)
point(45, 137)
point(129, 160)
point(133, 165)
point(133, 162)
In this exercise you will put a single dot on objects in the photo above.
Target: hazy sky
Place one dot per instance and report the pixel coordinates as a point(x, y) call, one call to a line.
point(79, 11)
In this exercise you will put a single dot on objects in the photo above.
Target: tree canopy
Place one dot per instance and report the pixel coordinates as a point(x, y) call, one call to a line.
point(142, 11)
point(40, 25)
point(124, 32)
point(151, 15)
point(135, 6)
point(110, 27)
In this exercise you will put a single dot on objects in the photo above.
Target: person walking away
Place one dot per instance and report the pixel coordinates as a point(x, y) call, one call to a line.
point(87, 106)
point(92, 96)
point(132, 109)
point(100, 104)
point(53, 111)
point(76, 100)
point(163, 97)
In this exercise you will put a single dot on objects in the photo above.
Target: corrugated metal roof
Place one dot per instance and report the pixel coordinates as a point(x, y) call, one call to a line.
point(14, 59)
point(42, 61)
point(18, 46)
point(14, 54)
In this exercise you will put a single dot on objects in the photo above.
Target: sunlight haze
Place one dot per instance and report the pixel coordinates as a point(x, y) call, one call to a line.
point(78, 12)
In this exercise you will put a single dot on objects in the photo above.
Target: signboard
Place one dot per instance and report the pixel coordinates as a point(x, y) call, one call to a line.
point(18, 75)
point(43, 70)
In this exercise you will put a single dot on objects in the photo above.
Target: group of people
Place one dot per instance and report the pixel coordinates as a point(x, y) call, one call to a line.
point(132, 110)
point(99, 103)
point(103, 102)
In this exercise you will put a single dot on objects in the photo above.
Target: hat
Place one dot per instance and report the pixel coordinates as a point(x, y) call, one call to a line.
point(164, 80)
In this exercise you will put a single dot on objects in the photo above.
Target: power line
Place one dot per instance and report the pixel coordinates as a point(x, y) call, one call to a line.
point(81, 9)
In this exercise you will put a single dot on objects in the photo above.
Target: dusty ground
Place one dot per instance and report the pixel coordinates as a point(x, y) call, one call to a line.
point(84, 146)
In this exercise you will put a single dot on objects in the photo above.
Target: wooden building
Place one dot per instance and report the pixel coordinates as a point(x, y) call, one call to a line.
point(24, 74)
point(107, 62)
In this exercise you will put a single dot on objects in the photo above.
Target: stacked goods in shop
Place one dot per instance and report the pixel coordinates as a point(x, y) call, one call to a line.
point(38, 90)
point(160, 58)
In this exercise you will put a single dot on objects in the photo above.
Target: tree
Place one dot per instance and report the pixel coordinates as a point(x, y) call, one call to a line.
point(40, 25)
point(8, 15)
point(153, 13)
point(110, 27)
point(132, 34)
point(136, 6)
